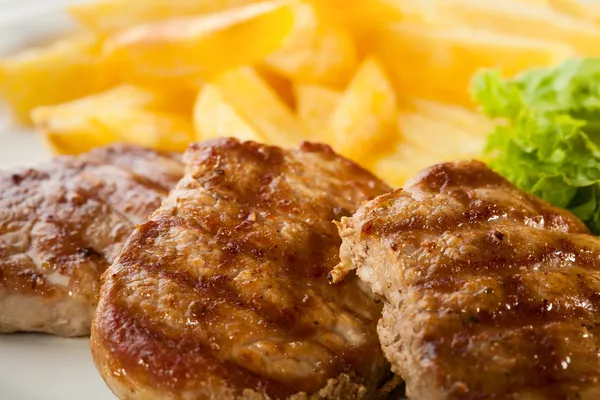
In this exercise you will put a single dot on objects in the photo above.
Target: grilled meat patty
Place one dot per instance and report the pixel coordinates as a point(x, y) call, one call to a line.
point(63, 223)
point(490, 293)
point(223, 292)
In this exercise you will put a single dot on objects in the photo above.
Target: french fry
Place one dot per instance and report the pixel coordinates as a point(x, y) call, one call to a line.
point(123, 114)
point(109, 16)
point(317, 51)
point(516, 18)
point(215, 117)
point(384, 82)
point(406, 160)
point(188, 50)
point(46, 75)
point(438, 63)
point(258, 104)
point(579, 8)
point(441, 138)
point(280, 84)
point(128, 97)
point(462, 118)
point(160, 130)
point(362, 14)
point(441, 133)
point(315, 106)
point(365, 117)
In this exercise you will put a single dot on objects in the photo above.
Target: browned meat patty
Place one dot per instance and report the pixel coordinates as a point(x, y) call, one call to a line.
point(223, 293)
point(489, 292)
point(63, 223)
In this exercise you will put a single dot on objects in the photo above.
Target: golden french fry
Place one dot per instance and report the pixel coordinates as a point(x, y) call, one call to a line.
point(283, 86)
point(187, 50)
point(316, 105)
point(516, 18)
point(110, 16)
point(129, 97)
point(362, 14)
point(441, 138)
point(406, 160)
point(462, 118)
point(434, 133)
point(71, 134)
point(365, 118)
point(63, 71)
point(579, 8)
point(258, 104)
point(215, 117)
point(317, 51)
point(123, 114)
point(160, 130)
point(438, 63)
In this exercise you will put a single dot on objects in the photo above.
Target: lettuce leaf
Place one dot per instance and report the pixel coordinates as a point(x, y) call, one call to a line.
point(548, 142)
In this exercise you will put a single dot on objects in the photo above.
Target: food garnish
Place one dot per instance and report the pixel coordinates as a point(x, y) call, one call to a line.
point(548, 143)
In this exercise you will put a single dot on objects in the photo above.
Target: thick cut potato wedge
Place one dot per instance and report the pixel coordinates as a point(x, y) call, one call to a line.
point(438, 63)
point(462, 118)
point(162, 130)
point(280, 84)
point(315, 106)
point(63, 71)
point(123, 114)
point(215, 117)
point(406, 160)
point(364, 123)
point(584, 9)
point(362, 14)
point(188, 50)
point(440, 137)
point(434, 133)
point(260, 106)
point(109, 16)
point(318, 51)
point(128, 97)
point(515, 18)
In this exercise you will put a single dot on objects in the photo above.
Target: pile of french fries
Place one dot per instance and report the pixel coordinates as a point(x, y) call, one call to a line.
point(384, 82)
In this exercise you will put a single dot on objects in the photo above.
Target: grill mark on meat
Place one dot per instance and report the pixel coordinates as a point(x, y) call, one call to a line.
point(205, 313)
point(63, 227)
point(506, 302)
point(500, 264)
point(195, 355)
point(477, 215)
point(441, 177)
point(62, 260)
point(156, 349)
point(103, 198)
point(149, 184)
point(128, 158)
point(160, 189)
point(217, 286)
point(276, 320)
point(243, 245)
point(103, 201)
point(521, 307)
point(543, 374)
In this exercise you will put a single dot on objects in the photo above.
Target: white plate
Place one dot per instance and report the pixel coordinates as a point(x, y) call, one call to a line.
point(38, 367)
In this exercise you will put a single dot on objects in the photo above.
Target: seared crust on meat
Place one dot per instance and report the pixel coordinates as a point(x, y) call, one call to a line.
point(490, 293)
point(63, 223)
point(223, 293)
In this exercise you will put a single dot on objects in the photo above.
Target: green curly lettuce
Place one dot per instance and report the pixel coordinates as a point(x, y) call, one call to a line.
point(548, 141)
